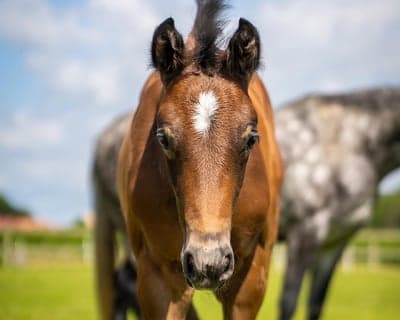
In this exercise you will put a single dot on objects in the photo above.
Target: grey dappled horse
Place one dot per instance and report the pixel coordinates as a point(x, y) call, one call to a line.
point(337, 149)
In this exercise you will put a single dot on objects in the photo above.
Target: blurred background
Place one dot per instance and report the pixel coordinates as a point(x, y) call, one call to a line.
point(67, 68)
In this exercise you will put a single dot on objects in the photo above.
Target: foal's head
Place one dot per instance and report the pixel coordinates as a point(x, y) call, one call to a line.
point(206, 128)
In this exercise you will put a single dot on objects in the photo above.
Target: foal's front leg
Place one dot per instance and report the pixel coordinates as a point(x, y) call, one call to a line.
point(163, 293)
point(243, 296)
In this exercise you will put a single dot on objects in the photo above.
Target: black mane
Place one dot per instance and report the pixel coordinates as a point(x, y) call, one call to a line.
point(208, 25)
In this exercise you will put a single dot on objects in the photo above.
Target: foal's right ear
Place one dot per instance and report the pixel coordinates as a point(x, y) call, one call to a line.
point(167, 51)
point(243, 53)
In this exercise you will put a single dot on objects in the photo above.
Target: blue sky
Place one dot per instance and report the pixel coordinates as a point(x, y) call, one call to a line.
point(68, 67)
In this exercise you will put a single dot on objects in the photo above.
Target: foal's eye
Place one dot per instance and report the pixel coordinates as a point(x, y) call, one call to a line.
point(252, 139)
point(162, 138)
point(166, 140)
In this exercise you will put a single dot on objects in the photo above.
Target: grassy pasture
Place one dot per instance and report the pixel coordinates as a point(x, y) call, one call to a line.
point(50, 276)
point(67, 292)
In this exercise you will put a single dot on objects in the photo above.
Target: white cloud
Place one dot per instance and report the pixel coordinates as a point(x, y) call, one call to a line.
point(95, 51)
point(99, 50)
point(24, 131)
point(36, 23)
point(318, 45)
point(101, 82)
point(128, 15)
point(55, 170)
point(330, 85)
point(322, 21)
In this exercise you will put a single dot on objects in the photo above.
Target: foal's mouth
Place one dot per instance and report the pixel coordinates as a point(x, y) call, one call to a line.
point(207, 276)
point(206, 284)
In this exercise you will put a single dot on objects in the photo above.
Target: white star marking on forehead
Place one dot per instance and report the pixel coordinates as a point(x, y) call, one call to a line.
point(204, 112)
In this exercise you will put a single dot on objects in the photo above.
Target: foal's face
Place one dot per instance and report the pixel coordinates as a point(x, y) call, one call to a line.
point(206, 129)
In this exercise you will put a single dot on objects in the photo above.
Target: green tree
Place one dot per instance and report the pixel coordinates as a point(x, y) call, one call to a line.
point(387, 211)
point(6, 208)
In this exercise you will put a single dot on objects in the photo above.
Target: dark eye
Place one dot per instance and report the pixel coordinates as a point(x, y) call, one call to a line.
point(252, 139)
point(162, 138)
point(166, 140)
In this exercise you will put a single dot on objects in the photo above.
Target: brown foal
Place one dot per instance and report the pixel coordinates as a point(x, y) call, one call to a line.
point(199, 172)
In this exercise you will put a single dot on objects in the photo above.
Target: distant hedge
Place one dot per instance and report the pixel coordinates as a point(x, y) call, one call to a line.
point(47, 237)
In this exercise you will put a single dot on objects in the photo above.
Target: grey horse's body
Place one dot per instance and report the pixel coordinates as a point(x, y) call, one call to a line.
point(336, 149)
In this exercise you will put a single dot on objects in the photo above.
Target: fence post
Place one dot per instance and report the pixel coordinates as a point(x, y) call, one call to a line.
point(7, 248)
point(86, 250)
point(373, 255)
point(19, 253)
point(279, 257)
point(348, 259)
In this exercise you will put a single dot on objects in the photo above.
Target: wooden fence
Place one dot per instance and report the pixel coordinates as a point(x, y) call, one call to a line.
point(372, 248)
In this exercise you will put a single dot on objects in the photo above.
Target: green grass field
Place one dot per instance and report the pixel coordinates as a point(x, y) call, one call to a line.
point(67, 292)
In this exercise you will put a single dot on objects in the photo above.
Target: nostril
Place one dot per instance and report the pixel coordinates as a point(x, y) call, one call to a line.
point(226, 262)
point(189, 265)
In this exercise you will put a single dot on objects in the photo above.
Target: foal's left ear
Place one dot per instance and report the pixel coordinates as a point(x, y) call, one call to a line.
point(167, 51)
point(242, 56)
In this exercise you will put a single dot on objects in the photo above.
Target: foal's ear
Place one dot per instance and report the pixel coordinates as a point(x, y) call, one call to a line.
point(167, 50)
point(242, 56)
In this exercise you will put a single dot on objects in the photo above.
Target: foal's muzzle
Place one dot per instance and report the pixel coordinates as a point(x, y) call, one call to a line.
point(207, 267)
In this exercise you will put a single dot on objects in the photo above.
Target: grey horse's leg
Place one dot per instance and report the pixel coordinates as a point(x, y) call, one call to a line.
point(301, 249)
point(120, 314)
point(126, 292)
point(327, 259)
point(322, 272)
